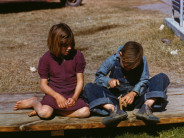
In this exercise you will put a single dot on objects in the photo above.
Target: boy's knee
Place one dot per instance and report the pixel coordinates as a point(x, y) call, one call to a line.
point(164, 77)
point(88, 89)
point(88, 86)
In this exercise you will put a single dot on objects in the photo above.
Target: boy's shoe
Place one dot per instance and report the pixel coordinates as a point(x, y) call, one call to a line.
point(146, 114)
point(115, 117)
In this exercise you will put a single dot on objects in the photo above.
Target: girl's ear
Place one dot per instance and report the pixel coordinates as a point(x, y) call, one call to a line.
point(120, 53)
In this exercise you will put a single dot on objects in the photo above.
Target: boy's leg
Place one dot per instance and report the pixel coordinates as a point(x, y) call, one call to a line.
point(97, 97)
point(109, 107)
point(158, 87)
point(157, 91)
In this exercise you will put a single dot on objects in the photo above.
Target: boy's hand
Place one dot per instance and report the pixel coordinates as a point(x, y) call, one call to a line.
point(113, 83)
point(129, 97)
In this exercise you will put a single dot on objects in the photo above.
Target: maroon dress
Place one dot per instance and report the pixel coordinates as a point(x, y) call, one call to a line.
point(62, 77)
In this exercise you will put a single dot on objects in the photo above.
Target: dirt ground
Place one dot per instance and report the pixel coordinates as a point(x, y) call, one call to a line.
point(100, 27)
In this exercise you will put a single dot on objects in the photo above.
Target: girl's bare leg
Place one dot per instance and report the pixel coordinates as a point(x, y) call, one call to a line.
point(32, 113)
point(80, 113)
point(44, 111)
point(24, 104)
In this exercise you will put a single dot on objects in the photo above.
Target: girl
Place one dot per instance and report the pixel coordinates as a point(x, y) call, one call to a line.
point(61, 72)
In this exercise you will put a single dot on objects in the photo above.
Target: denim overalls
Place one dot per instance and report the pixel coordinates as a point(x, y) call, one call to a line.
point(98, 95)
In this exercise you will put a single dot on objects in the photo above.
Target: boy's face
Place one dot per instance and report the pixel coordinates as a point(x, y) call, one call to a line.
point(123, 65)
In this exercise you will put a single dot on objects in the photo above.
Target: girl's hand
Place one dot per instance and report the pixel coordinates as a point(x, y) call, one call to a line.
point(61, 101)
point(71, 102)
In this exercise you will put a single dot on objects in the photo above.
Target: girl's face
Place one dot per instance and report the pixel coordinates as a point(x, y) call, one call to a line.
point(65, 50)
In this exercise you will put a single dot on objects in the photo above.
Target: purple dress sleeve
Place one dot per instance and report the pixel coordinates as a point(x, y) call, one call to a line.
point(80, 63)
point(43, 68)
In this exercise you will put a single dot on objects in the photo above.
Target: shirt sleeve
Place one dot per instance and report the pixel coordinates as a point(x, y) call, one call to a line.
point(80, 62)
point(101, 77)
point(43, 68)
point(143, 84)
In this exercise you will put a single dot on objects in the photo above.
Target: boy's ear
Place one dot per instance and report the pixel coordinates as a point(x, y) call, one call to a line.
point(120, 53)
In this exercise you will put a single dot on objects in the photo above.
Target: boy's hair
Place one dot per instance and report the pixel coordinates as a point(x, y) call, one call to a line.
point(132, 54)
point(56, 41)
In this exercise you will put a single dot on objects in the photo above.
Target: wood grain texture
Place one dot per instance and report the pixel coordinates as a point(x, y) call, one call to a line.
point(14, 121)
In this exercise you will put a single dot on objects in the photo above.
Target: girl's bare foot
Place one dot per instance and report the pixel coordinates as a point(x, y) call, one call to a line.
point(32, 113)
point(23, 104)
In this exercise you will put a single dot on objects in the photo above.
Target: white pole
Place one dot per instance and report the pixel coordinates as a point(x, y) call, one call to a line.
point(181, 13)
point(172, 10)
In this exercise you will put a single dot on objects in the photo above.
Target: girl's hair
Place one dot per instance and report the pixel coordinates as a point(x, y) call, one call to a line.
point(56, 40)
point(132, 54)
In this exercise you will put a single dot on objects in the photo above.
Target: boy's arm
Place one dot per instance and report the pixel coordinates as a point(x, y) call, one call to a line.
point(101, 77)
point(144, 80)
point(139, 87)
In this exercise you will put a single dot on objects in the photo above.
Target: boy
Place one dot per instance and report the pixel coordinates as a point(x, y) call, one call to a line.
point(129, 77)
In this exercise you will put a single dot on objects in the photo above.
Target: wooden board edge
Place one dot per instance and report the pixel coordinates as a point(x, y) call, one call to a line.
point(126, 123)
point(9, 129)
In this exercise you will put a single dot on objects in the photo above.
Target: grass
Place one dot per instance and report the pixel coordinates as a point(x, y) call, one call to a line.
point(100, 27)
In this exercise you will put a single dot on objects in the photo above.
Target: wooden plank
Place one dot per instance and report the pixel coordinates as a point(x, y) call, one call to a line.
point(14, 121)
point(8, 100)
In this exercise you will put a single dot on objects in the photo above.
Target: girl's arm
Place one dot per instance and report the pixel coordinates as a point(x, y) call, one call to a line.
point(78, 89)
point(61, 101)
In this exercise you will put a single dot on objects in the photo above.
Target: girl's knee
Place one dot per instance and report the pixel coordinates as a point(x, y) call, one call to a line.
point(45, 113)
point(84, 112)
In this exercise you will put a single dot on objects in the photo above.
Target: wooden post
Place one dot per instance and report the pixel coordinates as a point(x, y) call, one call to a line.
point(57, 133)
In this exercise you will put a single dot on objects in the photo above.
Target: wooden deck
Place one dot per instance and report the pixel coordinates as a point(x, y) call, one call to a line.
point(16, 121)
